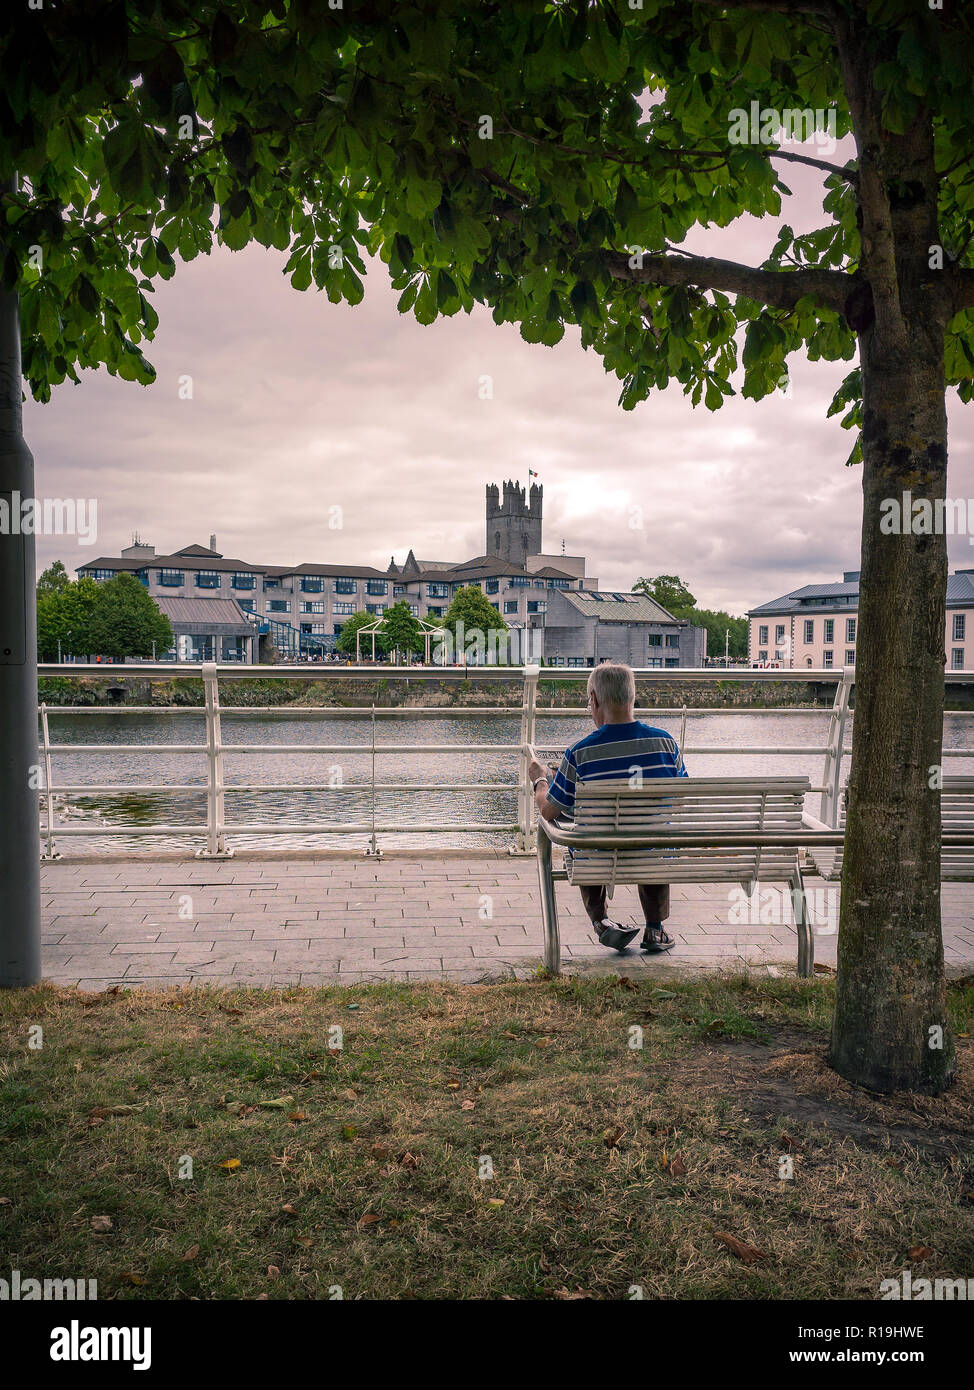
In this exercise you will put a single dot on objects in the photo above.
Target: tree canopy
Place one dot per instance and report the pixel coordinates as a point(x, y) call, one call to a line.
point(125, 621)
point(351, 626)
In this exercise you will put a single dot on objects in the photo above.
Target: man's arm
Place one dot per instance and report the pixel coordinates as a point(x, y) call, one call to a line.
point(538, 773)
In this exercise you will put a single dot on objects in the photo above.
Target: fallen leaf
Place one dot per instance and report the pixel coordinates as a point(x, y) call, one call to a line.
point(749, 1254)
point(567, 1296)
point(677, 1167)
point(787, 1143)
point(192, 1252)
point(5, 1201)
point(496, 1201)
point(467, 1105)
point(129, 1278)
point(407, 1160)
point(824, 969)
point(296, 1116)
point(349, 1094)
point(289, 1210)
point(306, 1241)
point(369, 1219)
point(453, 1085)
point(664, 994)
point(234, 1013)
point(394, 1225)
point(230, 1163)
point(380, 1151)
point(920, 1252)
point(263, 1298)
point(715, 1026)
point(101, 1224)
point(542, 1042)
point(273, 1272)
point(611, 1137)
point(280, 1103)
point(349, 1131)
point(624, 982)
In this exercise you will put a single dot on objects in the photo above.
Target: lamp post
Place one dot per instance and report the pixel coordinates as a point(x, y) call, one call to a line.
point(20, 862)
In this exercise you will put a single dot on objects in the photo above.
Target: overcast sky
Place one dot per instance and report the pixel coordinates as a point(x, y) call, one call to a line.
point(300, 406)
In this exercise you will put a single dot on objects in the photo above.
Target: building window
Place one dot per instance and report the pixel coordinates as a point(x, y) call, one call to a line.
point(809, 630)
point(207, 579)
point(278, 605)
point(345, 586)
point(249, 605)
point(398, 590)
point(314, 605)
point(537, 606)
point(672, 661)
point(779, 634)
point(496, 607)
point(960, 623)
point(413, 608)
point(762, 656)
point(345, 609)
point(315, 629)
point(850, 629)
point(672, 639)
point(437, 591)
point(510, 605)
point(827, 658)
point(957, 658)
point(560, 584)
point(850, 657)
point(763, 635)
point(311, 585)
point(654, 661)
point(492, 586)
point(170, 579)
point(519, 581)
point(377, 586)
point(375, 608)
point(434, 612)
point(244, 581)
point(655, 639)
point(104, 574)
point(829, 635)
point(271, 584)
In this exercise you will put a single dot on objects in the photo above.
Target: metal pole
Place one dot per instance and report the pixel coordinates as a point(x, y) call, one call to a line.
point(20, 869)
point(528, 707)
point(48, 784)
point(216, 846)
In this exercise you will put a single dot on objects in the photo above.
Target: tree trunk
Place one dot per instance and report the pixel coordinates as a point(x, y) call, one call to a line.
point(890, 1028)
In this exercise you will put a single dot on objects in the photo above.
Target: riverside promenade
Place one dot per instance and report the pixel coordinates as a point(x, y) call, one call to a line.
point(349, 919)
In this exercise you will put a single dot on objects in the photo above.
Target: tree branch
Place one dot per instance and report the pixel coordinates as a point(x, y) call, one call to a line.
point(831, 289)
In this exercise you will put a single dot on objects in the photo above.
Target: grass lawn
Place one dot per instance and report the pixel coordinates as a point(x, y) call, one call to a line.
point(366, 1167)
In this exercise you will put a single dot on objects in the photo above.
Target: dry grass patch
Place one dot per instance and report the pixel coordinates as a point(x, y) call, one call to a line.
point(369, 1167)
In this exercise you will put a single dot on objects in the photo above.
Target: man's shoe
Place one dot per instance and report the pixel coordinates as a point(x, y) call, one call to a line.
point(656, 940)
point(616, 937)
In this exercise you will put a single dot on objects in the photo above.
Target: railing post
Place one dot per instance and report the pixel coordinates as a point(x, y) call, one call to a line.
point(529, 703)
point(373, 848)
point(216, 844)
point(50, 852)
point(829, 811)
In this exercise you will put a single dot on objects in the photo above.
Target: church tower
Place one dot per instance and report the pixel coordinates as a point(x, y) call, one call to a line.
point(514, 523)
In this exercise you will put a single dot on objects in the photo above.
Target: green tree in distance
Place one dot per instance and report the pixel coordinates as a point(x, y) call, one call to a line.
point(125, 621)
point(477, 614)
point(547, 161)
point(403, 632)
point(346, 638)
point(668, 590)
point(64, 615)
point(54, 580)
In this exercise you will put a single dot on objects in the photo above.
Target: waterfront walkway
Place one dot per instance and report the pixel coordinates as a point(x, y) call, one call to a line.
point(280, 921)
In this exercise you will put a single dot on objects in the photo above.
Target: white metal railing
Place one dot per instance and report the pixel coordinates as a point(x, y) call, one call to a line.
point(215, 829)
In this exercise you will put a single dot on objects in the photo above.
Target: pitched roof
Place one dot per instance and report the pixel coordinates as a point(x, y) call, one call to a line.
point(609, 606)
point(201, 617)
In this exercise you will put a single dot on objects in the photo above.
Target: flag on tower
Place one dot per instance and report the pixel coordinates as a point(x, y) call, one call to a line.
point(531, 473)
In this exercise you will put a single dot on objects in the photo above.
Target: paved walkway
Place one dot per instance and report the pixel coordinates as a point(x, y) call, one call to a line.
point(331, 920)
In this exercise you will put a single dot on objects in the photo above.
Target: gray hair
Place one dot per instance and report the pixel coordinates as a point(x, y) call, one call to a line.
point(613, 684)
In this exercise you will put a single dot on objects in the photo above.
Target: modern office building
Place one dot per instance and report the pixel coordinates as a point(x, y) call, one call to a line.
point(816, 625)
point(560, 613)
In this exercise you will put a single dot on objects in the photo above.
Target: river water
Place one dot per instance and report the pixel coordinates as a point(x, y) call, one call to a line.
point(327, 803)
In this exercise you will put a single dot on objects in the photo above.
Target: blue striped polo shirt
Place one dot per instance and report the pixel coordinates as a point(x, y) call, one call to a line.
point(616, 751)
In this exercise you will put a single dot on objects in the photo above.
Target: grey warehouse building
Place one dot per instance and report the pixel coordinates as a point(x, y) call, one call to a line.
point(229, 609)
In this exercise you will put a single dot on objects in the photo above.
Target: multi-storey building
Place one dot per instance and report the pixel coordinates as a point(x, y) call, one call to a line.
point(817, 625)
point(302, 607)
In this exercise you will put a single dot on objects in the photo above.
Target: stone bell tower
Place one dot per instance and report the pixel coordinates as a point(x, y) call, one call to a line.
point(514, 523)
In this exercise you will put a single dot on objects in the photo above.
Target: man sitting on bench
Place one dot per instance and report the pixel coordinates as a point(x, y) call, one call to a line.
point(621, 748)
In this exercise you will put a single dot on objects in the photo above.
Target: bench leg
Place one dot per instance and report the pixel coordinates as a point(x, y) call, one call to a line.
point(806, 940)
point(549, 907)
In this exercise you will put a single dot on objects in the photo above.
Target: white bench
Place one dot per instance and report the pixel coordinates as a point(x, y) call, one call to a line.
point(956, 816)
point(679, 830)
